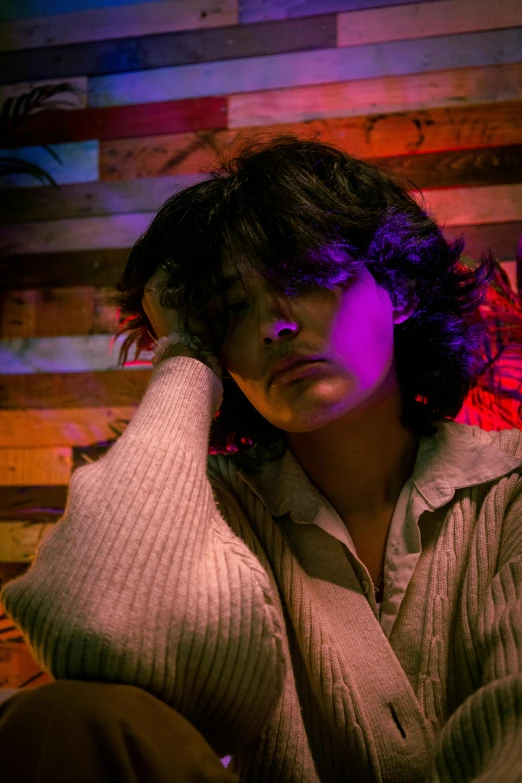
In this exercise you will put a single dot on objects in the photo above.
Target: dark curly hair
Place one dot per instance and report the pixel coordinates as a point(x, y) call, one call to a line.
point(304, 212)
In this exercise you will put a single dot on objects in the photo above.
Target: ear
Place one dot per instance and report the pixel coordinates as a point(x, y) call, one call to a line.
point(401, 314)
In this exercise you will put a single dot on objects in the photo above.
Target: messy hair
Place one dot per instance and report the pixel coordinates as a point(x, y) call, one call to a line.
point(302, 213)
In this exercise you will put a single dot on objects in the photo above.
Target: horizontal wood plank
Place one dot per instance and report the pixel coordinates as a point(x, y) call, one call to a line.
point(21, 467)
point(77, 162)
point(168, 49)
point(64, 354)
point(451, 168)
point(25, 9)
point(388, 94)
point(422, 20)
point(19, 541)
point(74, 98)
point(36, 504)
point(302, 68)
point(370, 136)
point(102, 267)
point(261, 10)
point(451, 207)
point(53, 312)
point(113, 198)
point(55, 127)
point(100, 24)
point(54, 427)
point(89, 267)
point(73, 390)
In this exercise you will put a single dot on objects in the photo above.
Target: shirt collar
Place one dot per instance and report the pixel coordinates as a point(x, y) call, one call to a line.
point(457, 456)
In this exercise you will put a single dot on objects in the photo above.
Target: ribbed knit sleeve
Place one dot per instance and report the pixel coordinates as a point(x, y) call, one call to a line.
point(143, 582)
point(482, 740)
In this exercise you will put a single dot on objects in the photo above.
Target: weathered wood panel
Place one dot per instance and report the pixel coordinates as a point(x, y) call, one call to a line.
point(20, 540)
point(372, 136)
point(53, 312)
point(38, 504)
point(42, 391)
point(25, 9)
point(75, 99)
point(101, 267)
point(261, 10)
point(422, 20)
point(89, 267)
point(68, 427)
point(389, 94)
point(452, 168)
point(105, 23)
point(21, 467)
point(114, 198)
point(77, 162)
point(159, 51)
point(302, 68)
point(452, 206)
point(62, 354)
point(122, 122)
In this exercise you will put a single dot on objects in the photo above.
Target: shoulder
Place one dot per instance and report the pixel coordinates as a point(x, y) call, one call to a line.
point(509, 441)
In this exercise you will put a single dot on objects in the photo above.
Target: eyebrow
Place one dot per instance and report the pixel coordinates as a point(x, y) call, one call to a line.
point(231, 280)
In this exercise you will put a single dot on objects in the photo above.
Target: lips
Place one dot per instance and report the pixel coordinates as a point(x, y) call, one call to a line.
point(292, 361)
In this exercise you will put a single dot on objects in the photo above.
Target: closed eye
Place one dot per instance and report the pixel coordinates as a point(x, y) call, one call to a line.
point(235, 304)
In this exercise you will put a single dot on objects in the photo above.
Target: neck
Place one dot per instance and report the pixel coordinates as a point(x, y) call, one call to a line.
point(361, 461)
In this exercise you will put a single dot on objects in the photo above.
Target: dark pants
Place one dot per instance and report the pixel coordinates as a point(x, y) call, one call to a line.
point(71, 731)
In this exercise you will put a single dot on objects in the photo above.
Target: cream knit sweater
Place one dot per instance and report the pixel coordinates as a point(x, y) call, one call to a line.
point(169, 573)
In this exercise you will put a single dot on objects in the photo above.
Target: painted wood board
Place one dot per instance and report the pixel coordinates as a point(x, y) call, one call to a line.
point(76, 99)
point(102, 267)
point(388, 94)
point(122, 121)
point(302, 68)
point(90, 233)
point(78, 162)
point(179, 48)
point(96, 198)
point(475, 206)
point(54, 312)
point(54, 427)
point(35, 504)
point(19, 541)
point(453, 206)
point(483, 166)
point(25, 9)
point(73, 390)
point(422, 20)
point(370, 136)
point(59, 270)
point(64, 354)
point(21, 467)
point(106, 23)
point(261, 10)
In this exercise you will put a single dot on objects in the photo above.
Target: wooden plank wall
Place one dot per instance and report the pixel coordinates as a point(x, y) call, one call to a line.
point(430, 90)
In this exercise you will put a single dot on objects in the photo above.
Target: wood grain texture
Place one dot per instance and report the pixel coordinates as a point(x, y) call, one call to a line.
point(110, 198)
point(37, 504)
point(485, 166)
point(54, 427)
point(78, 162)
point(63, 354)
point(21, 467)
point(90, 267)
point(168, 49)
point(25, 9)
point(451, 207)
point(76, 99)
point(20, 540)
point(106, 23)
point(388, 94)
point(55, 127)
point(370, 136)
point(422, 20)
point(73, 390)
point(303, 68)
point(503, 238)
point(261, 10)
point(55, 312)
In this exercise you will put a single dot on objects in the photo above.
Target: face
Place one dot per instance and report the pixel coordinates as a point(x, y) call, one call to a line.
point(350, 328)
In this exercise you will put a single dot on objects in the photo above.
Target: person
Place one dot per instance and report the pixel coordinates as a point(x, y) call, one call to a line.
point(293, 545)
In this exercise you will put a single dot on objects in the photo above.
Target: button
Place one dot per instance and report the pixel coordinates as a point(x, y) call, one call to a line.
point(365, 586)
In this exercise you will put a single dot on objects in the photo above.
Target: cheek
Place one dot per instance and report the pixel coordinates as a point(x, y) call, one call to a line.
point(362, 338)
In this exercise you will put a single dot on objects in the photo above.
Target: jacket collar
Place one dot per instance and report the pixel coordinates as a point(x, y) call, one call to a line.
point(458, 456)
